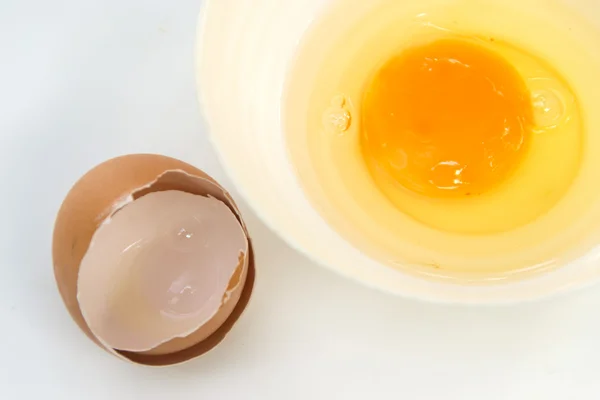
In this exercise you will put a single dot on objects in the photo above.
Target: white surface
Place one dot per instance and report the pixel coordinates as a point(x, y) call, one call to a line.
point(86, 80)
point(244, 52)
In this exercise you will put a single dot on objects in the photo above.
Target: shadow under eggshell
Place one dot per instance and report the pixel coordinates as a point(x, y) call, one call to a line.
point(93, 198)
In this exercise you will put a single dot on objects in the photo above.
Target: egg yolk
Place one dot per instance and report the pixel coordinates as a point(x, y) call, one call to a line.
point(447, 118)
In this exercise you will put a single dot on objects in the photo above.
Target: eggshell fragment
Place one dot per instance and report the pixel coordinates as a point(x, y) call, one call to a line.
point(160, 268)
point(97, 197)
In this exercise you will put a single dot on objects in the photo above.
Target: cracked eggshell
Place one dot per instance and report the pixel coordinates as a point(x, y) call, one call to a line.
point(97, 196)
point(161, 268)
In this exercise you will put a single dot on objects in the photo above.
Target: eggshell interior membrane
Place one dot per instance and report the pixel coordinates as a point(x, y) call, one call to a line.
point(160, 268)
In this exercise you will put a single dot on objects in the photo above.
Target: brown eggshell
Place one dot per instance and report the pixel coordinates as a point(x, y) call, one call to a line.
point(99, 194)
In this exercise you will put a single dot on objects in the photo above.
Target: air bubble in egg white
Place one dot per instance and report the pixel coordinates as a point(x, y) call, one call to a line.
point(549, 106)
point(337, 117)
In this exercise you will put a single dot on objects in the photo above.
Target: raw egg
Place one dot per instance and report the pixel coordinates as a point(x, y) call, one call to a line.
point(152, 259)
point(443, 142)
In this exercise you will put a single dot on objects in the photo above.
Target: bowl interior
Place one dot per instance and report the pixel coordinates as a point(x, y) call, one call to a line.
point(243, 57)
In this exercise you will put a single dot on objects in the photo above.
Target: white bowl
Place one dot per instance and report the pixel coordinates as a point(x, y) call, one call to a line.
point(245, 49)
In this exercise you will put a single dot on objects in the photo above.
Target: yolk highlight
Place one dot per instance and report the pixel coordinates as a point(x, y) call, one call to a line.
point(447, 118)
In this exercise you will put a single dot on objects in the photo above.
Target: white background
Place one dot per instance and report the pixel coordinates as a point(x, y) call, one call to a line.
point(84, 80)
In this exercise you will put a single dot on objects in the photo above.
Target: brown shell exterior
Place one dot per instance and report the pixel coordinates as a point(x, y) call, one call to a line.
point(89, 202)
